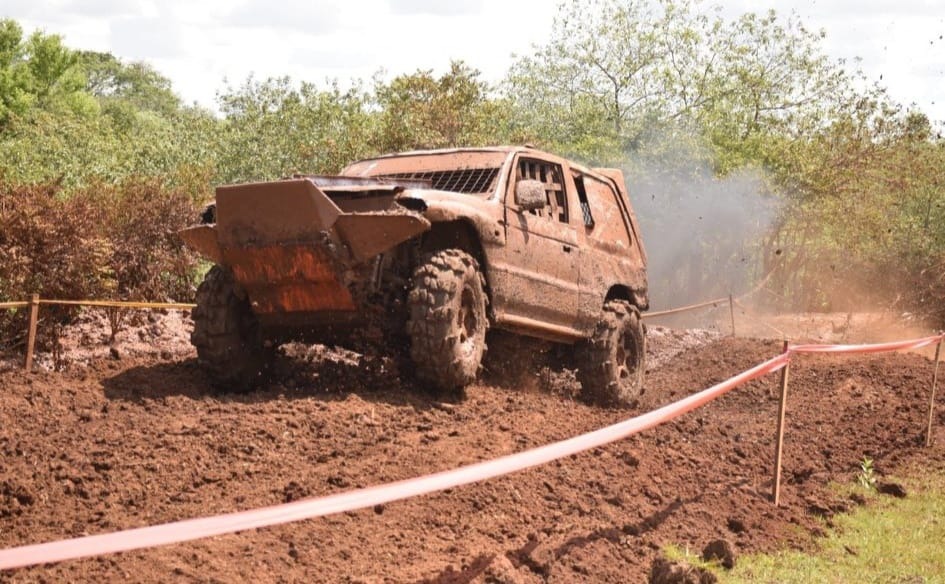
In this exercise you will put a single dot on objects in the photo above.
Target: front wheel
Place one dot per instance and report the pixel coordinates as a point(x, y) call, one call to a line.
point(226, 334)
point(448, 320)
point(613, 360)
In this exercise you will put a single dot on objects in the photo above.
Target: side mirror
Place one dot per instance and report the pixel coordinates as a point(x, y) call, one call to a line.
point(530, 194)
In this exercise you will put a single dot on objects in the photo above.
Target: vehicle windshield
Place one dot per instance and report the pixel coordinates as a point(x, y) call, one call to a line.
point(473, 173)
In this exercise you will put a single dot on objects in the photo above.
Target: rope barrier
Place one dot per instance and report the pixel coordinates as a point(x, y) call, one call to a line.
point(715, 302)
point(104, 304)
point(908, 345)
point(118, 304)
point(35, 302)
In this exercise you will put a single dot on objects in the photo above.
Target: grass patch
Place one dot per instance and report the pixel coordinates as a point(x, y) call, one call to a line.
point(890, 540)
point(688, 556)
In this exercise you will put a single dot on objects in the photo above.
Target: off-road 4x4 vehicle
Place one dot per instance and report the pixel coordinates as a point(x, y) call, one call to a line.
point(439, 246)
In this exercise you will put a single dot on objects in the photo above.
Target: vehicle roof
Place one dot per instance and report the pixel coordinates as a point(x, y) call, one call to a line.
point(505, 149)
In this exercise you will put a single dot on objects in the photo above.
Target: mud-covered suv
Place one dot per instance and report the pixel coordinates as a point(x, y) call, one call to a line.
point(431, 248)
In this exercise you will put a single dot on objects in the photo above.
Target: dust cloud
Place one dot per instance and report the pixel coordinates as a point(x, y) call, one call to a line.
point(708, 236)
point(703, 235)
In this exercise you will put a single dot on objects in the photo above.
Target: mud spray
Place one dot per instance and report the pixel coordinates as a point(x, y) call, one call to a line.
point(703, 234)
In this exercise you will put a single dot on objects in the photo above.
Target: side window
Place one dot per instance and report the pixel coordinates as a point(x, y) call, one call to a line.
point(609, 226)
point(556, 205)
point(586, 212)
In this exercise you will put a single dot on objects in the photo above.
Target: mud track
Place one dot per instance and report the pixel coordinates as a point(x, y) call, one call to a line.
point(140, 441)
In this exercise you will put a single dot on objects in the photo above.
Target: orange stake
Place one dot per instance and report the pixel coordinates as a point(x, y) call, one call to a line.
point(928, 432)
point(776, 492)
point(31, 335)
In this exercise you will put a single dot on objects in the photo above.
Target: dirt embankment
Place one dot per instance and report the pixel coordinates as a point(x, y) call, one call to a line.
point(138, 441)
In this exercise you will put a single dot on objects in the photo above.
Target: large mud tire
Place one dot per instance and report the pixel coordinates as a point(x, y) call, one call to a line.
point(613, 362)
point(448, 319)
point(226, 334)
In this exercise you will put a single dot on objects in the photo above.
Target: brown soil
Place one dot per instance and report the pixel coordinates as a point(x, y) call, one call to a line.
point(138, 441)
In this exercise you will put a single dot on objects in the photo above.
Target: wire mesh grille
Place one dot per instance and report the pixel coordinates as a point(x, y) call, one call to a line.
point(586, 211)
point(468, 180)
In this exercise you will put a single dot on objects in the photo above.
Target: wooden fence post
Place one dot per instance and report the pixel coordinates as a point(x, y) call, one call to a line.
point(731, 312)
point(776, 489)
point(928, 432)
point(31, 335)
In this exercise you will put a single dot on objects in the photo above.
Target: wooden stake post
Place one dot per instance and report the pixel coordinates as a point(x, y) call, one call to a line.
point(31, 335)
point(928, 432)
point(731, 312)
point(776, 490)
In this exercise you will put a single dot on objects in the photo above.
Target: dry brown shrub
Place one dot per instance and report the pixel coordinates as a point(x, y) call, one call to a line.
point(148, 259)
point(101, 242)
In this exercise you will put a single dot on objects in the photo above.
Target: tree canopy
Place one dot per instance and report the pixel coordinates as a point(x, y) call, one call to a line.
point(702, 112)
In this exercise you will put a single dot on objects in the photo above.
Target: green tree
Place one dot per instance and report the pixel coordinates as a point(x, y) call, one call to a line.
point(618, 72)
point(422, 111)
point(273, 128)
point(38, 72)
point(136, 84)
point(775, 83)
point(866, 222)
point(74, 118)
point(15, 98)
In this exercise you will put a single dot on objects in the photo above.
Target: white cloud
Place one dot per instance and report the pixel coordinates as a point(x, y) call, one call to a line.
point(331, 58)
point(102, 8)
point(20, 9)
point(307, 17)
point(436, 7)
point(146, 38)
point(890, 8)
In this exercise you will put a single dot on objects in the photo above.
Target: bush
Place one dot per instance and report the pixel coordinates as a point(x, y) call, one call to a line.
point(104, 241)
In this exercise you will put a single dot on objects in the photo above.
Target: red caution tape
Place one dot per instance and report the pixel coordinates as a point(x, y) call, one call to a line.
point(191, 529)
point(875, 348)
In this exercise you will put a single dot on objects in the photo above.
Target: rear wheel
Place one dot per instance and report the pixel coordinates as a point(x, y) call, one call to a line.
point(226, 334)
point(613, 361)
point(448, 320)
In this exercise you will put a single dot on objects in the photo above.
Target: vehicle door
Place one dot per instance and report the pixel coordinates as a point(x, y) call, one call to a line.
point(542, 254)
point(607, 245)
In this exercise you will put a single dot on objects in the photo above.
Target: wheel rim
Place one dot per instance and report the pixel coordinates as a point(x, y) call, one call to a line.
point(467, 319)
point(625, 358)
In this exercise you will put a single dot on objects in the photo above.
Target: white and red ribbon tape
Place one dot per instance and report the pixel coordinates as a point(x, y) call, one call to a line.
point(191, 529)
point(875, 348)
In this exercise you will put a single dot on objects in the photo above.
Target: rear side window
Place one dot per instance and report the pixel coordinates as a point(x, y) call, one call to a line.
point(609, 226)
point(586, 212)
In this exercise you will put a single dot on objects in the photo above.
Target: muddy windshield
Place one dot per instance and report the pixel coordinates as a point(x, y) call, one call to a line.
point(474, 173)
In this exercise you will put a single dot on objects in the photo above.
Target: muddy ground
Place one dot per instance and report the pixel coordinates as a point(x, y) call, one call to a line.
point(139, 440)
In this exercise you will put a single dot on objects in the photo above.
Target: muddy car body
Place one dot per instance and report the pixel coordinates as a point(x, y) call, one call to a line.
point(440, 245)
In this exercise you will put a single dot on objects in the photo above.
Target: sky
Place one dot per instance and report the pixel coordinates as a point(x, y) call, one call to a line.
point(203, 46)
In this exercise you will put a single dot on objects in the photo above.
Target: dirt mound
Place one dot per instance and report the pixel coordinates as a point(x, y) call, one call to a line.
point(140, 441)
point(663, 343)
point(152, 333)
